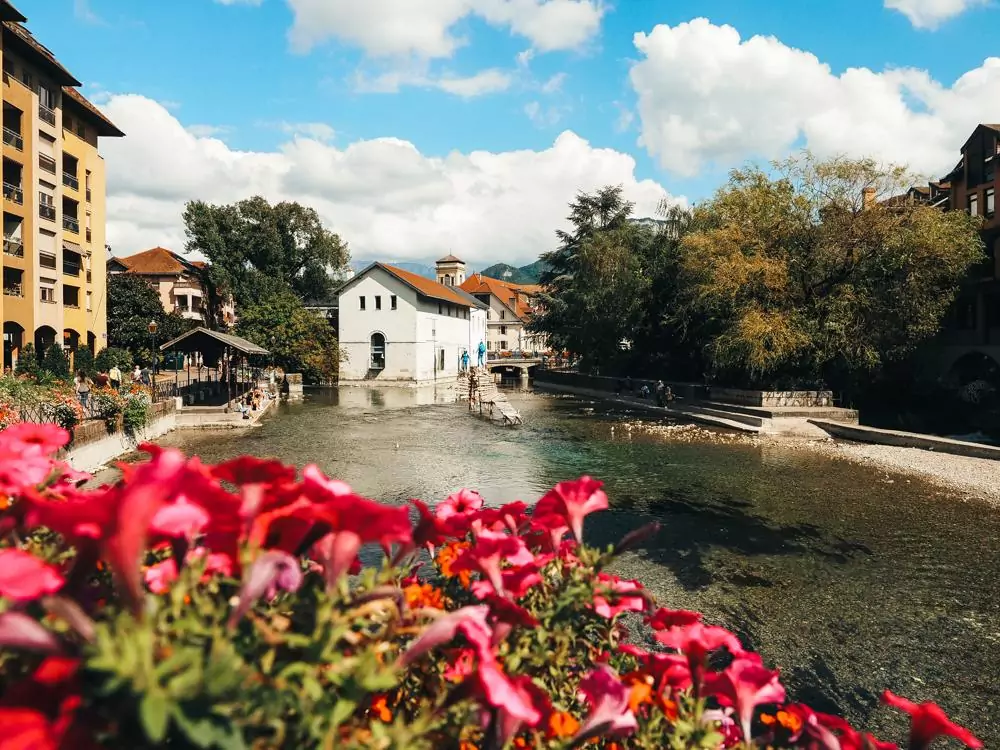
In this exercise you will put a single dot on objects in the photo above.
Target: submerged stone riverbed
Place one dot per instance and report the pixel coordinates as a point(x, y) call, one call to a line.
point(848, 579)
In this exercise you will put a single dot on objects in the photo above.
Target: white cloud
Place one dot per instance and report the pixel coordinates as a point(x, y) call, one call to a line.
point(542, 116)
point(206, 131)
point(553, 84)
point(707, 96)
point(425, 28)
point(929, 14)
point(318, 131)
point(385, 197)
point(389, 82)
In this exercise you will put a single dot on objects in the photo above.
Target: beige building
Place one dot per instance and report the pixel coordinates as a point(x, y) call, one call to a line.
point(177, 280)
point(54, 259)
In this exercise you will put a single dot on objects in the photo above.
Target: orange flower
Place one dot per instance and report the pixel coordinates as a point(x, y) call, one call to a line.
point(423, 595)
point(562, 725)
point(446, 558)
point(791, 722)
point(466, 745)
point(4, 502)
point(380, 709)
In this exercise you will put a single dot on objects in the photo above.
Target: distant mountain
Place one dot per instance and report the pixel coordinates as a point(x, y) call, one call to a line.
point(524, 275)
point(417, 268)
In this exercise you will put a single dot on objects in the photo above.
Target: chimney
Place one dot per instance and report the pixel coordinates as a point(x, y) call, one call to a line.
point(869, 197)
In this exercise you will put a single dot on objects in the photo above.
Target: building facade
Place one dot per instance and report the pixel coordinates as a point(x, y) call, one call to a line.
point(55, 253)
point(397, 327)
point(177, 280)
point(510, 309)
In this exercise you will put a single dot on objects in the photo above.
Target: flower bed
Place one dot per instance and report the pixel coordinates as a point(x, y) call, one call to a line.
point(195, 606)
point(23, 399)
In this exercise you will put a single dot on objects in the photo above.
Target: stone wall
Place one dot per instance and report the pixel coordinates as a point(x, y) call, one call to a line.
point(691, 391)
point(93, 445)
point(743, 397)
point(294, 384)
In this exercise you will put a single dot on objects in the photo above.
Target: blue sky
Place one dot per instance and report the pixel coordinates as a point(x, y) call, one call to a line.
point(699, 99)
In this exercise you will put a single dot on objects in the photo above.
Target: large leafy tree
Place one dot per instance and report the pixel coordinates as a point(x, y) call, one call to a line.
point(258, 250)
point(813, 273)
point(300, 341)
point(132, 304)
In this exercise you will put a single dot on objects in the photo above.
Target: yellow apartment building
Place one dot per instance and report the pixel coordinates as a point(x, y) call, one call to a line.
point(54, 252)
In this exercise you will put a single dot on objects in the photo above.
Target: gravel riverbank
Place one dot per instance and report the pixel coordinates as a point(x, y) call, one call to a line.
point(976, 478)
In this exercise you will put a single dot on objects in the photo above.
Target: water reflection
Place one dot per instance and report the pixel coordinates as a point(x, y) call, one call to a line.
point(848, 583)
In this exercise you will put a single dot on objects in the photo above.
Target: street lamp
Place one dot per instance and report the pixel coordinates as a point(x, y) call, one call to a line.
point(152, 334)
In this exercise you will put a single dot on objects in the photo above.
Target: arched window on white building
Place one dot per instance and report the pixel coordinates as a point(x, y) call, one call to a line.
point(378, 351)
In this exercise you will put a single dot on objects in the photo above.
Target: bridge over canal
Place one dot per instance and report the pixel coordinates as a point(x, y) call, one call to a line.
point(513, 367)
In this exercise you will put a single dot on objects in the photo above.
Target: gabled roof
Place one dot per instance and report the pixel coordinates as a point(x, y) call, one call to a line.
point(994, 127)
point(420, 284)
point(511, 295)
point(196, 339)
point(472, 300)
point(104, 126)
point(450, 259)
point(157, 261)
point(24, 43)
point(9, 13)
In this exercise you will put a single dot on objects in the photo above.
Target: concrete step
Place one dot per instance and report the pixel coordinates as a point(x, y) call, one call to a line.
point(832, 413)
point(719, 412)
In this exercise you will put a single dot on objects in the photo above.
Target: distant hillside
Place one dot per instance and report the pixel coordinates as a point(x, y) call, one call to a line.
point(524, 275)
point(417, 268)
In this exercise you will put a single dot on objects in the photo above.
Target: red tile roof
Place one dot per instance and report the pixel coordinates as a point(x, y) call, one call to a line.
point(157, 261)
point(513, 295)
point(425, 286)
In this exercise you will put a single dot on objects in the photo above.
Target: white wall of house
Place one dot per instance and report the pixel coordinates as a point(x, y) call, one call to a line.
point(477, 332)
point(424, 337)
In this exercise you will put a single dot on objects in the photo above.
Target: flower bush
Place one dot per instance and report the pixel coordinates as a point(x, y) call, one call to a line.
point(25, 399)
point(225, 606)
point(132, 403)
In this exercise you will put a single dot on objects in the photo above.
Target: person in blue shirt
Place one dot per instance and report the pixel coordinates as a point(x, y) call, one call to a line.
point(482, 353)
point(465, 360)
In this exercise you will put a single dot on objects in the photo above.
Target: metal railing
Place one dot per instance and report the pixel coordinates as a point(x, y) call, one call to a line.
point(13, 193)
point(47, 114)
point(47, 163)
point(71, 223)
point(13, 139)
point(46, 211)
point(13, 246)
point(70, 180)
point(13, 290)
point(70, 268)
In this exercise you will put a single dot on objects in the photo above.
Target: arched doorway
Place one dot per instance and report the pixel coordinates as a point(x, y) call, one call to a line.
point(377, 360)
point(71, 344)
point(13, 340)
point(45, 336)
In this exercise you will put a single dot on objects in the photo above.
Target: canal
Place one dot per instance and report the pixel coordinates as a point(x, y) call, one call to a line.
point(848, 580)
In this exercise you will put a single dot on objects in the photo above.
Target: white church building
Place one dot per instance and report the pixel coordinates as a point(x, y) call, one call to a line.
point(399, 328)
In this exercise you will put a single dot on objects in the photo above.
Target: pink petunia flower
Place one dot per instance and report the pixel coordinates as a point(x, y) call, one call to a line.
point(619, 596)
point(608, 698)
point(161, 575)
point(928, 721)
point(571, 501)
point(470, 621)
point(744, 685)
point(24, 578)
point(460, 503)
point(489, 550)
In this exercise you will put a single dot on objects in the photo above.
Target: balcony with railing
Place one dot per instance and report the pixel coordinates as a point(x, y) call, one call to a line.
point(47, 163)
point(13, 139)
point(71, 223)
point(70, 170)
point(13, 246)
point(47, 211)
point(46, 115)
point(71, 267)
point(13, 193)
point(12, 286)
point(70, 181)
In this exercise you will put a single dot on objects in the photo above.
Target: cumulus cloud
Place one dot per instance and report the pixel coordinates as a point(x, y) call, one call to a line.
point(391, 81)
point(706, 96)
point(929, 14)
point(425, 28)
point(385, 197)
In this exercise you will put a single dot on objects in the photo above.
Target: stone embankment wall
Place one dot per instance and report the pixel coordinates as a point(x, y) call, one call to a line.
point(743, 397)
point(565, 378)
point(93, 445)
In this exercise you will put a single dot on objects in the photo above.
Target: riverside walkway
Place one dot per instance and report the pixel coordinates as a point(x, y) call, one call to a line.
point(491, 403)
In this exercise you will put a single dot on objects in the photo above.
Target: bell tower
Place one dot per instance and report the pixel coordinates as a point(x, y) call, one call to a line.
point(450, 271)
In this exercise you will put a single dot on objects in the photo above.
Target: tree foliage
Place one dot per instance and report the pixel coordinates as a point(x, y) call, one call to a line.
point(27, 362)
point(132, 304)
point(111, 356)
point(299, 340)
point(55, 362)
point(83, 359)
point(792, 277)
point(258, 250)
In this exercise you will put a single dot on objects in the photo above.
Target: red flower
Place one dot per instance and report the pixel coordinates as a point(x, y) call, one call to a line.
point(663, 618)
point(23, 577)
point(619, 596)
point(928, 721)
point(744, 685)
point(490, 549)
point(39, 712)
point(44, 439)
point(470, 621)
point(271, 571)
point(516, 582)
point(696, 642)
point(571, 501)
point(608, 698)
point(460, 503)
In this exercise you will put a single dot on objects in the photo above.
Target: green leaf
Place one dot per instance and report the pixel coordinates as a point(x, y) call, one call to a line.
point(342, 710)
point(154, 713)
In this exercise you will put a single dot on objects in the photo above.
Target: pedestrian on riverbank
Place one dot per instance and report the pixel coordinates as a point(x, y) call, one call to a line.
point(137, 375)
point(482, 353)
point(660, 393)
point(82, 385)
point(465, 360)
point(115, 377)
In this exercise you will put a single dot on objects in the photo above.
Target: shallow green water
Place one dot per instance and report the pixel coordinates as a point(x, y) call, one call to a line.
point(848, 582)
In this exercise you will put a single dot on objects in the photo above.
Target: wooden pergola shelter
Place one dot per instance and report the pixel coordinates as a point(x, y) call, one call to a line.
point(219, 348)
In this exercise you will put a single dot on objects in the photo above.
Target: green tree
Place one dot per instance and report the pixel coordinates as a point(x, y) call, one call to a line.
point(816, 273)
point(83, 359)
point(27, 362)
point(259, 250)
point(299, 340)
point(132, 304)
point(111, 356)
point(55, 362)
